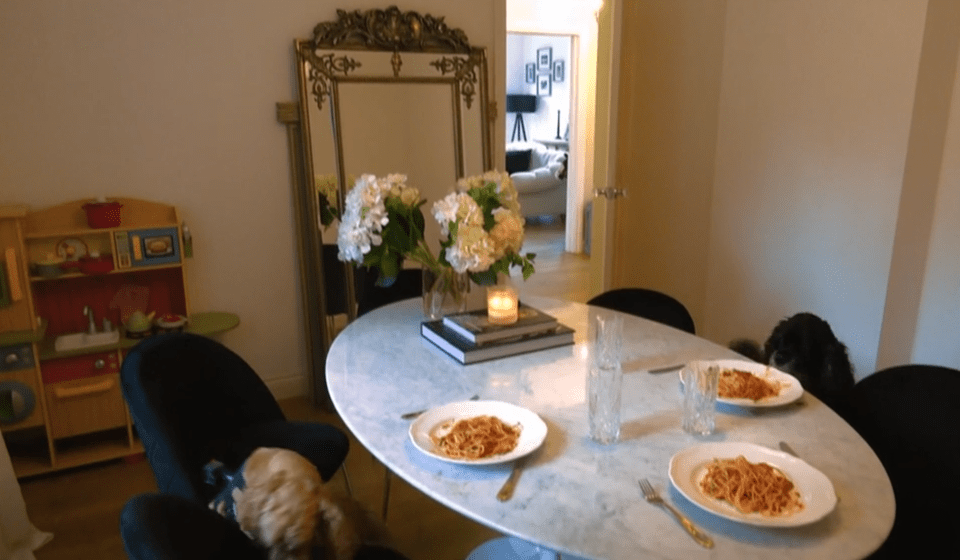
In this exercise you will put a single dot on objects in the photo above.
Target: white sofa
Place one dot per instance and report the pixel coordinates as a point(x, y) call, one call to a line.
point(542, 186)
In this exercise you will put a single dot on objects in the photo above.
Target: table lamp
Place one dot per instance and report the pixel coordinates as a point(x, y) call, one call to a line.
point(520, 104)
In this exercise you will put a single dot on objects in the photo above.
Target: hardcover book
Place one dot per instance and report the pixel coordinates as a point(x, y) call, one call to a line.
point(467, 352)
point(475, 327)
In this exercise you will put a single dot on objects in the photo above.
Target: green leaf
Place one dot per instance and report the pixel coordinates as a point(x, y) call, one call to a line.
point(486, 278)
point(527, 270)
point(418, 225)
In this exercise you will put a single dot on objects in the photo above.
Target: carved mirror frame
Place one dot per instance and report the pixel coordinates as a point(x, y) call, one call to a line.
point(334, 58)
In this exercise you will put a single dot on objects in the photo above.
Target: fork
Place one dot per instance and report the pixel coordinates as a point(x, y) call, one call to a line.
point(651, 496)
point(415, 413)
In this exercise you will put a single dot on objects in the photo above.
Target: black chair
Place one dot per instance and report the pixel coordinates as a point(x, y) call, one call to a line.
point(910, 415)
point(166, 526)
point(335, 280)
point(193, 399)
point(408, 284)
point(649, 304)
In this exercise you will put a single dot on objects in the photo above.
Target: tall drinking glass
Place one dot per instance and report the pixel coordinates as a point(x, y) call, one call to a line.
point(605, 378)
point(700, 381)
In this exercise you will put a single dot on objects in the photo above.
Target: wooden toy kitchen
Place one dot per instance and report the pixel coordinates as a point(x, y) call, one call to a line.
point(80, 284)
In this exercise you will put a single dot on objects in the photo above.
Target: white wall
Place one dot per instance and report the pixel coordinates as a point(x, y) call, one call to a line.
point(176, 102)
point(521, 50)
point(821, 175)
point(814, 123)
point(937, 338)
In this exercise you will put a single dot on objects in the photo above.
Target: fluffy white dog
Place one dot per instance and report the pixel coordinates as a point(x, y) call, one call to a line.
point(279, 500)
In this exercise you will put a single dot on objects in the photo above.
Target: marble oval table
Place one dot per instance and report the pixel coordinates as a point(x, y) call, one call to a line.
point(579, 497)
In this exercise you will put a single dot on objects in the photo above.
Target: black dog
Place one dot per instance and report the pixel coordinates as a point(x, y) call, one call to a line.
point(804, 346)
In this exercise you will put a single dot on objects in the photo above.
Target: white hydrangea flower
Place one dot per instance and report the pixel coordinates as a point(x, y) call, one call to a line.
point(507, 233)
point(364, 216)
point(456, 207)
point(473, 250)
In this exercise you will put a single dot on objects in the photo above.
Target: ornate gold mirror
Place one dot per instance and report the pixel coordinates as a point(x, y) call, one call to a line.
point(380, 92)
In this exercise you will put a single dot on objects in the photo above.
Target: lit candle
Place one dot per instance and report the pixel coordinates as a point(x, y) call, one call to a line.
point(501, 305)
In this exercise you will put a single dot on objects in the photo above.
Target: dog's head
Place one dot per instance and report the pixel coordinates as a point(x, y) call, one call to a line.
point(280, 503)
point(803, 345)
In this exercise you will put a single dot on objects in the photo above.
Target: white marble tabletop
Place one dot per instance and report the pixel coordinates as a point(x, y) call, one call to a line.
point(579, 497)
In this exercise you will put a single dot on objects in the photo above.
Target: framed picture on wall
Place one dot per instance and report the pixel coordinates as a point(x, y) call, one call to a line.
point(544, 85)
point(558, 71)
point(531, 72)
point(545, 59)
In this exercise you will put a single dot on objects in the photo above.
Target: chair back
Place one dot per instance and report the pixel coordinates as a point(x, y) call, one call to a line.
point(189, 397)
point(649, 304)
point(408, 284)
point(909, 415)
point(334, 280)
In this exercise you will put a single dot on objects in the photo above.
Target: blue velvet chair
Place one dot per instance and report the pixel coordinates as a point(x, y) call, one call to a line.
point(192, 400)
point(166, 526)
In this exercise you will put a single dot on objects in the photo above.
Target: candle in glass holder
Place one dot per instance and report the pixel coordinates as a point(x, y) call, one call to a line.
point(502, 305)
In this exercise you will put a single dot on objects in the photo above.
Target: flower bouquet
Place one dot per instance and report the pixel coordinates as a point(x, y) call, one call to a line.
point(382, 224)
point(483, 228)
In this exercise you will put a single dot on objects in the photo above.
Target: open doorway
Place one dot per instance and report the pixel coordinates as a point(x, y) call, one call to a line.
point(575, 21)
point(541, 99)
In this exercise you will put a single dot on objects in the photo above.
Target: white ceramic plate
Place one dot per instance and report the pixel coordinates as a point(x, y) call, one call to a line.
point(790, 388)
point(689, 466)
point(532, 434)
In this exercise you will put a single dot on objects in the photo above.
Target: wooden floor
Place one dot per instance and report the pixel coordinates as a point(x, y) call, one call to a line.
point(82, 507)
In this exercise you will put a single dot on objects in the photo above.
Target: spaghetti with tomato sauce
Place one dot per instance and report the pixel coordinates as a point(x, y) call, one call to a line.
point(739, 384)
point(477, 437)
point(751, 487)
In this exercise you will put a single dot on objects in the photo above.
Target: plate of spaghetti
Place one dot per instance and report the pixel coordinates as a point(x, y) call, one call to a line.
point(478, 432)
point(752, 484)
point(746, 383)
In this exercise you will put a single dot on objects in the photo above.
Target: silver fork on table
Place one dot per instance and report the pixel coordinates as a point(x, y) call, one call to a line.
point(651, 496)
point(415, 413)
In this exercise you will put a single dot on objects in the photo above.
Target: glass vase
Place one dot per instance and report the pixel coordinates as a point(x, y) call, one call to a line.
point(444, 292)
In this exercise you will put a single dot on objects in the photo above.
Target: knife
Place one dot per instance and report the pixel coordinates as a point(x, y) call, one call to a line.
point(665, 369)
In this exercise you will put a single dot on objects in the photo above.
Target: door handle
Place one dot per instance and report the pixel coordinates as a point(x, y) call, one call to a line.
point(609, 193)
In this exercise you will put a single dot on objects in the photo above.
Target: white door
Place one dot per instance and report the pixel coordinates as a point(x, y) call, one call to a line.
point(607, 192)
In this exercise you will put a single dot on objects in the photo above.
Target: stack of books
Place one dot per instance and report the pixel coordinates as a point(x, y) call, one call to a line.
point(469, 337)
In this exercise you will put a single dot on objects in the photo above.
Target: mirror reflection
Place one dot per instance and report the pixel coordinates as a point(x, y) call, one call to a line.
point(381, 92)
